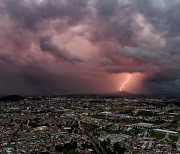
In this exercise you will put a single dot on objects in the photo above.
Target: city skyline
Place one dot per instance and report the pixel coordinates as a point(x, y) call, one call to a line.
point(89, 46)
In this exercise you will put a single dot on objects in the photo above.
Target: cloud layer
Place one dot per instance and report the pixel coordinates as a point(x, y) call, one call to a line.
point(68, 46)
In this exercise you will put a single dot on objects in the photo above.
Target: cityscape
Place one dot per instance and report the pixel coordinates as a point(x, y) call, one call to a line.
point(90, 124)
point(89, 77)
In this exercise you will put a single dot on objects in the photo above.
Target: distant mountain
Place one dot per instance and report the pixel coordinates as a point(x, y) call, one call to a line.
point(120, 94)
point(114, 94)
point(11, 98)
point(127, 94)
point(124, 93)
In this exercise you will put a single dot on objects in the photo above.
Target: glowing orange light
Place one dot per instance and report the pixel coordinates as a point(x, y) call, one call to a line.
point(125, 82)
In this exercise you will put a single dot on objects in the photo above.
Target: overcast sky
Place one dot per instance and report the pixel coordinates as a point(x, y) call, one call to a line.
point(89, 46)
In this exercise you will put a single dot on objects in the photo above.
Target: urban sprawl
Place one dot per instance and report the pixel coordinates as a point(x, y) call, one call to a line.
point(90, 125)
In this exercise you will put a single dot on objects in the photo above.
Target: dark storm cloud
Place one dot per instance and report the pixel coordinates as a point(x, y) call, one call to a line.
point(173, 45)
point(47, 45)
point(6, 58)
point(163, 14)
point(33, 80)
point(113, 22)
point(30, 13)
point(145, 33)
point(106, 8)
point(163, 76)
point(22, 24)
point(131, 36)
point(122, 69)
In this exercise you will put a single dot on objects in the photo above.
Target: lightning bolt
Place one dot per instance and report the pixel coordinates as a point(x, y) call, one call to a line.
point(125, 82)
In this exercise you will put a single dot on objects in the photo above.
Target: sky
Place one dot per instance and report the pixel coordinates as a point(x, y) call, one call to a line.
point(89, 46)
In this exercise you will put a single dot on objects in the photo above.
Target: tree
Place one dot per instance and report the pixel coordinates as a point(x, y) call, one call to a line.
point(108, 141)
point(119, 149)
point(58, 148)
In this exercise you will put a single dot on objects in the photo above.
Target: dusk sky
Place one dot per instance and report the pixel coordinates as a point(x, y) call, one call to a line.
point(89, 46)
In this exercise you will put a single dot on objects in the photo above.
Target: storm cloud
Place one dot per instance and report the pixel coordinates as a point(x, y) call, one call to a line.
point(80, 46)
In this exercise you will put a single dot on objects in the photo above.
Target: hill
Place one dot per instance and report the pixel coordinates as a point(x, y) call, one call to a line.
point(11, 98)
